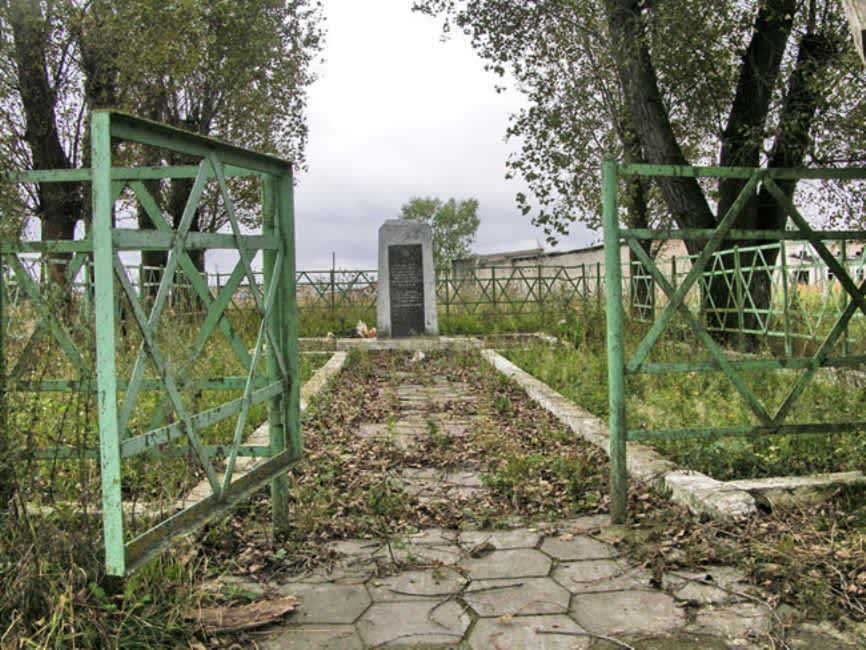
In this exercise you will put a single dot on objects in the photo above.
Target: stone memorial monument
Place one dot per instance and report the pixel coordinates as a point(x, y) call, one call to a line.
point(406, 301)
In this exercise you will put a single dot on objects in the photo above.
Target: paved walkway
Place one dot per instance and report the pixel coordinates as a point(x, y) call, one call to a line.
point(553, 586)
point(520, 588)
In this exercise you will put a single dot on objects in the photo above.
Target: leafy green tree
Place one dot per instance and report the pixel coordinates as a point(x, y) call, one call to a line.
point(237, 70)
point(454, 224)
point(770, 82)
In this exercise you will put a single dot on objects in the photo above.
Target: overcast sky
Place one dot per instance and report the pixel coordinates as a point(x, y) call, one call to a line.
point(398, 113)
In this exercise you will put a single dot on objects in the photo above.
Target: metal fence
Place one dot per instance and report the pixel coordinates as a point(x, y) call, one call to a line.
point(700, 316)
point(806, 296)
point(146, 387)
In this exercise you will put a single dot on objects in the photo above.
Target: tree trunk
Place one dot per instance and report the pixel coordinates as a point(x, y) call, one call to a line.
point(152, 262)
point(185, 299)
point(741, 147)
point(643, 101)
point(641, 285)
point(799, 107)
point(741, 141)
point(59, 204)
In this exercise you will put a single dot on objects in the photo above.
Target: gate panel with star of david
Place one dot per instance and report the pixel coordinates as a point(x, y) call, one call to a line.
point(177, 379)
point(691, 314)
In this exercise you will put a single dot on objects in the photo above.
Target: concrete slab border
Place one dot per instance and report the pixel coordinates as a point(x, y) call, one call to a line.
point(409, 344)
point(698, 492)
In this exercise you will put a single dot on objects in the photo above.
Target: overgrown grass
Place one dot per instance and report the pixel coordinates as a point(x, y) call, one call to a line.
point(54, 594)
point(318, 321)
point(693, 400)
point(349, 484)
point(808, 556)
point(53, 589)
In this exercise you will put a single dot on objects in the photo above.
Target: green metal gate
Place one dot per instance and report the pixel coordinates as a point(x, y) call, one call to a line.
point(270, 369)
point(767, 421)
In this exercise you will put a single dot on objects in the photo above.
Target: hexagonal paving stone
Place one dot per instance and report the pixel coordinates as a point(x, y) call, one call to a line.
point(682, 640)
point(600, 575)
point(417, 585)
point(567, 548)
point(734, 621)
point(714, 585)
point(420, 554)
point(519, 563)
point(327, 603)
point(413, 623)
point(355, 549)
point(500, 539)
point(516, 597)
point(808, 636)
point(314, 637)
point(627, 612)
point(522, 633)
point(433, 537)
point(585, 524)
point(464, 479)
point(354, 574)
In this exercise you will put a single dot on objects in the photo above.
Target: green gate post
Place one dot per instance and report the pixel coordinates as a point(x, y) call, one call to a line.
point(5, 438)
point(106, 371)
point(615, 345)
point(842, 296)
point(276, 411)
point(288, 335)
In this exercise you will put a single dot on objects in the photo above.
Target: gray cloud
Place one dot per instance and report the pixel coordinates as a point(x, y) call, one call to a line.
point(398, 113)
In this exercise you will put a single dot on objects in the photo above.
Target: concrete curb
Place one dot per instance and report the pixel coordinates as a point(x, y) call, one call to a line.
point(423, 343)
point(311, 389)
point(787, 490)
point(698, 492)
point(321, 378)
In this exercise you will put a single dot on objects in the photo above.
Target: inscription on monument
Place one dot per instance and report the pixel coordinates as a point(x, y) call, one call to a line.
point(406, 286)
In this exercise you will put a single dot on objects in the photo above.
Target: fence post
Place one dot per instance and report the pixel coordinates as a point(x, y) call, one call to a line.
point(598, 281)
point(615, 346)
point(540, 294)
point(106, 364)
point(448, 292)
point(333, 290)
point(843, 295)
point(6, 477)
point(785, 289)
point(287, 334)
point(739, 296)
point(583, 277)
point(674, 272)
point(493, 285)
point(277, 421)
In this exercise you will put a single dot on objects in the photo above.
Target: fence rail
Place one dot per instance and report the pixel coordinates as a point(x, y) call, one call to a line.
point(806, 295)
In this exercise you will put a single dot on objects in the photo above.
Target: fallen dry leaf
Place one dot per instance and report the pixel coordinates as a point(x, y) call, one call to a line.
point(236, 618)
